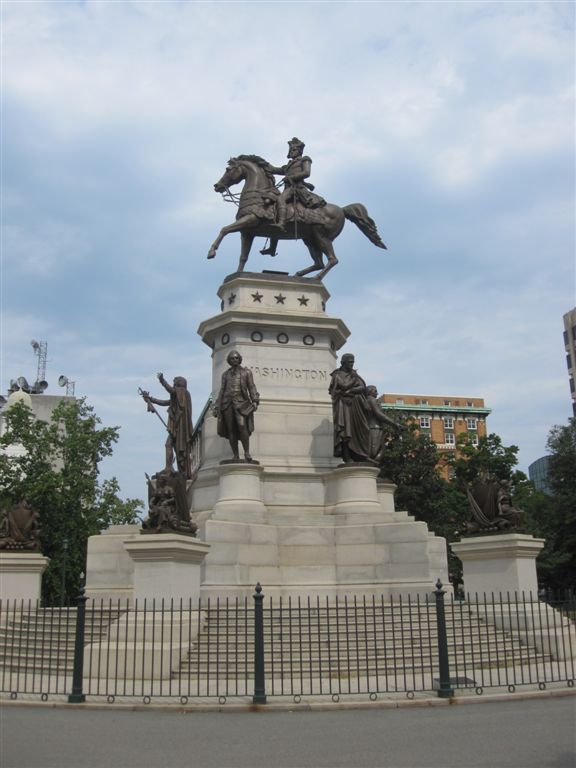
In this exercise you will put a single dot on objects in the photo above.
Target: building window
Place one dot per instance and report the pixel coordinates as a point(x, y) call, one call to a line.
point(449, 438)
point(472, 423)
point(474, 440)
point(470, 404)
point(399, 401)
point(423, 402)
point(565, 338)
point(448, 422)
point(424, 422)
point(448, 402)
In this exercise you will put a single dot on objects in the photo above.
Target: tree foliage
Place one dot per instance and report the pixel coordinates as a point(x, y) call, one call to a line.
point(55, 467)
point(553, 515)
point(488, 459)
point(411, 463)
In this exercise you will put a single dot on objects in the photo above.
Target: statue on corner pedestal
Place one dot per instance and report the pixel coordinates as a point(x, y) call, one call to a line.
point(179, 426)
point(168, 505)
point(492, 509)
point(235, 406)
point(19, 528)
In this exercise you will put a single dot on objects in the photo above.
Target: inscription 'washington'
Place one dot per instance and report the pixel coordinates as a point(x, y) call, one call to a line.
point(306, 374)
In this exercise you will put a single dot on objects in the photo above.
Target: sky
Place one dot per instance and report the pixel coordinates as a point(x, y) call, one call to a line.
point(453, 122)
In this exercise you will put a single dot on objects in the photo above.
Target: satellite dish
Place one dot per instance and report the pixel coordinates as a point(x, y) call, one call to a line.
point(40, 386)
point(62, 381)
point(23, 384)
point(35, 345)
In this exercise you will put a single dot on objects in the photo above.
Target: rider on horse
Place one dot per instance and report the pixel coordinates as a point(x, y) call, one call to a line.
point(296, 189)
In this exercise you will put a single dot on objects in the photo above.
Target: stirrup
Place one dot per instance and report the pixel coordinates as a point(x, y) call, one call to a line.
point(268, 252)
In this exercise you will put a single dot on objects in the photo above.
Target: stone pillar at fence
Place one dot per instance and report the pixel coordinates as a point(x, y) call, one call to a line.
point(21, 574)
point(167, 566)
point(502, 563)
point(500, 571)
point(149, 641)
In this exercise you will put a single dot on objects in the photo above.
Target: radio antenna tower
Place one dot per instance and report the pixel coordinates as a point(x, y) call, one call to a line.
point(41, 351)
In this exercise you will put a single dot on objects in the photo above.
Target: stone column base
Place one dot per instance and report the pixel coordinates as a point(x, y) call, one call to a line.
point(499, 564)
point(166, 566)
point(354, 490)
point(240, 493)
point(21, 574)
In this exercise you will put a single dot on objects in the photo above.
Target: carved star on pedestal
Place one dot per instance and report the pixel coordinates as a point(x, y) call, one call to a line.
point(257, 297)
point(232, 298)
point(280, 299)
point(303, 301)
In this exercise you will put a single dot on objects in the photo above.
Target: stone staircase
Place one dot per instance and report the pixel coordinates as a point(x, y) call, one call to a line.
point(351, 641)
point(40, 641)
point(302, 642)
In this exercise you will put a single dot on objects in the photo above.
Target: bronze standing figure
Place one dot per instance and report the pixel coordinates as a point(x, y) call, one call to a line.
point(377, 420)
point(349, 411)
point(235, 406)
point(179, 426)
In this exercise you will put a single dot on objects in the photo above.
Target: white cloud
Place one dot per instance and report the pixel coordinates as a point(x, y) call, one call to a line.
point(453, 122)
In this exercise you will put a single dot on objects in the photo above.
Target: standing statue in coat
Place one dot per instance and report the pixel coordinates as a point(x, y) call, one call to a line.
point(235, 406)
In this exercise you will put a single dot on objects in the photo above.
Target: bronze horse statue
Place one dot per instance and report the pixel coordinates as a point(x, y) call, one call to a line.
point(256, 217)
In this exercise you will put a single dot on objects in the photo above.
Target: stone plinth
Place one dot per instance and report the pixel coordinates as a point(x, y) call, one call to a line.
point(146, 644)
point(240, 493)
point(166, 566)
point(499, 564)
point(109, 567)
point(354, 489)
point(21, 574)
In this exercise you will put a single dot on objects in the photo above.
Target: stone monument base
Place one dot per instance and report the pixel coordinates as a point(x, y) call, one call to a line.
point(166, 566)
point(21, 574)
point(499, 563)
point(354, 544)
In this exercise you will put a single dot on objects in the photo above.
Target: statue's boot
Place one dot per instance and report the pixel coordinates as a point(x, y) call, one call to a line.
point(271, 250)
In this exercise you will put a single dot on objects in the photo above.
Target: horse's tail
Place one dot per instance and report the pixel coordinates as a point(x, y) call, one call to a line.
point(358, 214)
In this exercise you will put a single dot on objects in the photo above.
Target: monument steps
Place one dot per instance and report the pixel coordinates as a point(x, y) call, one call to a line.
point(39, 640)
point(387, 639)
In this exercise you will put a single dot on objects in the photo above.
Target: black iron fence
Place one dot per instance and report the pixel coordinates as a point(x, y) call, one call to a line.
point(257, 648)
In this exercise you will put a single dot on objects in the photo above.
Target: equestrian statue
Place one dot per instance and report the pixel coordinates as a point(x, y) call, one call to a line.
point(296, 212)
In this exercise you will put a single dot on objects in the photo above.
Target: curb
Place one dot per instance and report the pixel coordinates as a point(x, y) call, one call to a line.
point(311, 706)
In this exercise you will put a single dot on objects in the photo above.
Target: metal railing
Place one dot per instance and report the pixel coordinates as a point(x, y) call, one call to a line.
point(253, 649)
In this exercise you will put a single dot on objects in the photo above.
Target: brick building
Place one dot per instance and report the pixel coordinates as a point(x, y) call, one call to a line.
point(443, 418)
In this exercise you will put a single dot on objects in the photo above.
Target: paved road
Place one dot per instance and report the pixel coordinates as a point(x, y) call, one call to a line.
point(509, 734)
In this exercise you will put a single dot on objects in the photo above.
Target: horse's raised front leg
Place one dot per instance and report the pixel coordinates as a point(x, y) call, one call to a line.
point(246, 238)
point(245, 221)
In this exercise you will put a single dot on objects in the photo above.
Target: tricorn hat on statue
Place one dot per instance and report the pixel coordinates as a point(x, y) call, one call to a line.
point(296, 143)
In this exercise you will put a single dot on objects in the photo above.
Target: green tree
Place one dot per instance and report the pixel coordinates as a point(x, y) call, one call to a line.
point(411, 463)
point(489, 458)
point(553, 515)
point(55, 467)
